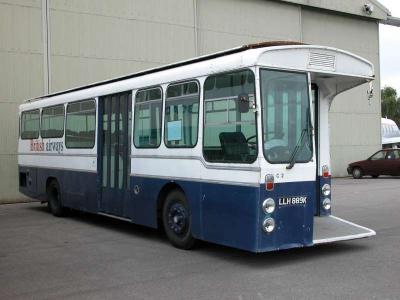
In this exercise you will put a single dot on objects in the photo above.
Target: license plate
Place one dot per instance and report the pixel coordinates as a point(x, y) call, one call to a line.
point(287, 201)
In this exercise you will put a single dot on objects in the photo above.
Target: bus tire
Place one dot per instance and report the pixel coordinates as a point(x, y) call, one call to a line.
point(176, 219)
point(54, 199)
point(357, 173)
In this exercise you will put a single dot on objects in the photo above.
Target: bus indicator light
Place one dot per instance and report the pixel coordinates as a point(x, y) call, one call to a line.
point(268, 205)
point(326, 189)
point(325, 171)
point(268, 225)
point(326, 204)
point(269, 182)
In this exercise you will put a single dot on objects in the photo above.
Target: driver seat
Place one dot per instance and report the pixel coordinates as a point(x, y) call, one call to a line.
point(234, 146)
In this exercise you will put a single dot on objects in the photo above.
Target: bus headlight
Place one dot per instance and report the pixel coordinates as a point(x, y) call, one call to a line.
point(268, 206)
point(268, 225)
point(326, 204)
point(326, 189)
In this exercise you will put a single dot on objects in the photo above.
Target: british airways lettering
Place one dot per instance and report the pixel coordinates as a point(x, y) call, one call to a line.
point(54, 146)
point(40, 146)
point(37, 145)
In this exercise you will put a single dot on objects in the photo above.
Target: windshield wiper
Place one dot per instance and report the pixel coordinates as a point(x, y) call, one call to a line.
point(299, 145)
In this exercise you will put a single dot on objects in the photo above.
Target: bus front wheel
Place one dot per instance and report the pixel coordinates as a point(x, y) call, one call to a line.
point(54, 199)
point(177, 220)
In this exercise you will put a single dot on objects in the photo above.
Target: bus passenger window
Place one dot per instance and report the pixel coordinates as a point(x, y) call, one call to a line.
point(30, 124)
point(52, 123)
point(80, 128)
point(147, 128)
point(230, 136)
point(182, 114)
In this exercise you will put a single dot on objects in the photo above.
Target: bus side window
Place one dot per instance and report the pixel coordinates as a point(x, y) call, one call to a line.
point(52, 122)
point(230, 135)
point(30, 124)
point(182, 114)
point(147, 127)
point(80, 127)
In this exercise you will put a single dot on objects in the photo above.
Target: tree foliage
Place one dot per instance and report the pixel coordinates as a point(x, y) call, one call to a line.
point(390, 104)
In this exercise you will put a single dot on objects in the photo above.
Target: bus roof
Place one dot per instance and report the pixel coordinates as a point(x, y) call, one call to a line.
point(174, 65)
point(349, 69)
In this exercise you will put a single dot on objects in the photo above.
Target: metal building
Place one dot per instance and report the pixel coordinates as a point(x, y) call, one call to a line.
point(52, 45)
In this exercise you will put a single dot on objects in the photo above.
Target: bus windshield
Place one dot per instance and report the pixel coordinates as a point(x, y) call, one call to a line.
point(287, 132)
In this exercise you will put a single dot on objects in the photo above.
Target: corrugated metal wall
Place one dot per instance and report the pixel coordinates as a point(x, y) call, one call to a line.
point(94, 40)
point(21, 77)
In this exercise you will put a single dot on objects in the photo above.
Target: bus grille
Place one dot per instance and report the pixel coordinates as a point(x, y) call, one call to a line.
point(321, 60)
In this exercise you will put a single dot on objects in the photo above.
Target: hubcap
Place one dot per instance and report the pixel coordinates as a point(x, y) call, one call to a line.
point(177, 219)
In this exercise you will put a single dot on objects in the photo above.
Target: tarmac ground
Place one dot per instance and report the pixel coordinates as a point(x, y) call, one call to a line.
point(85, 256)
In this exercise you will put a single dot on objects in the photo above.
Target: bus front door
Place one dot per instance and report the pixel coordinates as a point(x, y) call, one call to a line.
point(315, 103)
point(114, 153)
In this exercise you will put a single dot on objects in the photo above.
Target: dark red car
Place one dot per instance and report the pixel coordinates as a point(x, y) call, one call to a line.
point(383, 162)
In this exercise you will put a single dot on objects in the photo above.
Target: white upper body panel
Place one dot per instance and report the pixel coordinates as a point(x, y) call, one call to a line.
point(317, 59)
point(181, 163)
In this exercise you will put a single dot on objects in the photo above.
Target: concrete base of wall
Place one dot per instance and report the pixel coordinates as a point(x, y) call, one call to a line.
point(21, 199)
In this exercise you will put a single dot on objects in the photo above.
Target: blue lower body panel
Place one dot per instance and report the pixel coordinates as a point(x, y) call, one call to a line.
point(225, 214)
point(229, 215)
point(294, 222)
point(78, 188)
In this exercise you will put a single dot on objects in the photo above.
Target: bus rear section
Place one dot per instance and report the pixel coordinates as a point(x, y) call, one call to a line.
point(295, 196)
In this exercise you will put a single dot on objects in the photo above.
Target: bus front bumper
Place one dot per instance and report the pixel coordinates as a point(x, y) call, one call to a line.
point(332, 229)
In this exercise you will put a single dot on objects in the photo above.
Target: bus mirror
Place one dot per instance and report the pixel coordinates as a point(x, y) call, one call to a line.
point(243, 103)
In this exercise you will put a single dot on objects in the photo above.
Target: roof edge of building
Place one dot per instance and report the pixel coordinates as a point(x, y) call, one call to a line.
point(393, 21)
point(356, 8)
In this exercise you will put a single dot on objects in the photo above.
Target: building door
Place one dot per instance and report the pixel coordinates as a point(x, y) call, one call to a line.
point(114, 153)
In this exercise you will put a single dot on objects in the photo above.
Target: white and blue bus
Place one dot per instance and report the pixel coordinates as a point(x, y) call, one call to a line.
point(230, 148)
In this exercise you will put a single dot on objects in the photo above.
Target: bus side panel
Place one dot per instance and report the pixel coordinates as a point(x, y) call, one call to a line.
point(144, 208)
point(78, 188)
point(145, 202)
point(230, 215)
point(28, 182)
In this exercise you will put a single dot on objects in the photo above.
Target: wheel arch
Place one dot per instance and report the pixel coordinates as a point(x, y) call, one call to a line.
point(162, 195)
point(49, 180)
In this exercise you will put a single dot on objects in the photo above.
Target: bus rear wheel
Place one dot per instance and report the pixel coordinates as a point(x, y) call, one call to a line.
point(177, 220)
point(54, 199)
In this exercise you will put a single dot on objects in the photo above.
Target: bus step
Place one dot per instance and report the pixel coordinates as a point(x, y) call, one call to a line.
point(332, 229)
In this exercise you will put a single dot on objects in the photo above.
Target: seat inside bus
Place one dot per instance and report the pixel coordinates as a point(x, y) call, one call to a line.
point(234, 145)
